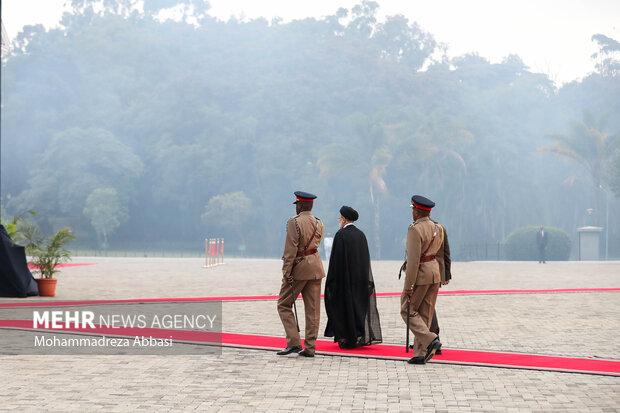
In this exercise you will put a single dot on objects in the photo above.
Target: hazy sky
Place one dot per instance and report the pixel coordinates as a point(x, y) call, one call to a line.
point(551, 36)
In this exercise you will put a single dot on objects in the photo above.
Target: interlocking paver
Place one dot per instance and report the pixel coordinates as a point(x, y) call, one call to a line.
point(570, 324)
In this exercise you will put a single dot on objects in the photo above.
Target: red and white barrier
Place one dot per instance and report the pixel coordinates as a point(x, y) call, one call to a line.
point(214, 252)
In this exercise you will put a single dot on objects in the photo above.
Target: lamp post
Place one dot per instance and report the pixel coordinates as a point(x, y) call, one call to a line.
point(606, 222)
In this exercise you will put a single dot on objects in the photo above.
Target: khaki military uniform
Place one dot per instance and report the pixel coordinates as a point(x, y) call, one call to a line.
point(302, 260)
point(445, 264)
point(423, 275)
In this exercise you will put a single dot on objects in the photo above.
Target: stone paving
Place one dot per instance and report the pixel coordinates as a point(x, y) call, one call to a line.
point(569, 324)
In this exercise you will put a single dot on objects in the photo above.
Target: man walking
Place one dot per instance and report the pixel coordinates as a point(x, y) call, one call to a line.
point(445, 264)
point(302, 271)
point(422, 279)
point(350, 296)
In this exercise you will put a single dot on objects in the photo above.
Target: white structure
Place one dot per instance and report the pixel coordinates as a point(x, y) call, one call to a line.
point(214, 252)
point(327, 245)
point(589, 239)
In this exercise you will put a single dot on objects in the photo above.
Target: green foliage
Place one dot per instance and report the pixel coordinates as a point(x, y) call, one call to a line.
point(106, 211)
point(588, 145)
point(608, 56)
point(228, 210)
point(521, 244)
point(87, 158)
point(45, 252)
point(13, 227)
point(612, 172)
point(360, 110)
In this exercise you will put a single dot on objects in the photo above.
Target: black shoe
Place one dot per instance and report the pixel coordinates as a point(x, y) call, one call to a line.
point(437, 352)
point(416, 360)
point(289, 350)
point(303, 353)
point(346, 345)
point(432, 349)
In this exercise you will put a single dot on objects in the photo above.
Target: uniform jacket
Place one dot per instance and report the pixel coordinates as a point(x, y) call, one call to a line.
point(299, 230)
point(443, 257)
point(419, 238)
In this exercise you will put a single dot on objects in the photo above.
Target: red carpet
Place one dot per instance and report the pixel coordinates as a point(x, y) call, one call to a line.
point(383, 351)
point(75, 264)
point(275, 297)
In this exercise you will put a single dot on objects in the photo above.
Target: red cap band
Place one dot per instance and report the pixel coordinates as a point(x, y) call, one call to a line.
point(304, 199)
point(421, 207)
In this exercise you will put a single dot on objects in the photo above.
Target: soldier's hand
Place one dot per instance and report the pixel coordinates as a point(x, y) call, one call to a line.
point(289, 279)
point(447, 282)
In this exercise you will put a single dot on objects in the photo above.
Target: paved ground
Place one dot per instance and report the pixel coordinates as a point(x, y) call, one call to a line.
point(571, 324)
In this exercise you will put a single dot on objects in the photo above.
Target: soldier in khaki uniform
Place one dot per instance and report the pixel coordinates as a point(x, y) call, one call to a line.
point(422, 279)
point(303, 269)
point(445, 265)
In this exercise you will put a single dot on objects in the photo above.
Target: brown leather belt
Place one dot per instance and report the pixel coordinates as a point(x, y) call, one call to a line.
point(306, 253)
point(427, 258)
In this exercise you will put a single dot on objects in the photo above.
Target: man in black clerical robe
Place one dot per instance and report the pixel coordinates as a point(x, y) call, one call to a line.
point(350, 298)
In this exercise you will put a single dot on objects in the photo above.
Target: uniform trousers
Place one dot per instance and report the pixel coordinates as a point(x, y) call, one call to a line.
point(422, 308)
point(435, 324)
point(311, 292)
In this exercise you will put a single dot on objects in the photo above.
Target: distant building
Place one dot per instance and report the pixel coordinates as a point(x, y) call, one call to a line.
point(6, 43)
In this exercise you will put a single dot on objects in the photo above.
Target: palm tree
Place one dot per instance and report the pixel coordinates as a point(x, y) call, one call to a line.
point(424, 143)
point(371, 155)
point(588, 145)
point(429, 148)
point(46, 253)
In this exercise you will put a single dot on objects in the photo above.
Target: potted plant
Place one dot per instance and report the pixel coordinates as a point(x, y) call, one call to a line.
point(46, 254)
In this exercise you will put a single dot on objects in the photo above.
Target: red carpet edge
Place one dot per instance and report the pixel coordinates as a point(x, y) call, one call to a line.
point(275, 297)
point(381, 351)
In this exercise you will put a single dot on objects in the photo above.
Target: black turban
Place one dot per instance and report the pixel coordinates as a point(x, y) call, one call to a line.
point(349, 213)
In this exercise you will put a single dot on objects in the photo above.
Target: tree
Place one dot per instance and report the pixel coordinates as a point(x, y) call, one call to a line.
point(46, 253)
point(229, 210)
point(370, 155)
point(113, 98)
point(588, 145)
point(612, 172)
point(75, 162)
point(608, 56)
point(106, 212)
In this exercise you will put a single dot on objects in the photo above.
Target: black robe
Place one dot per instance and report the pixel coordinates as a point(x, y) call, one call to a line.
point(350, 298)
point(16, 280)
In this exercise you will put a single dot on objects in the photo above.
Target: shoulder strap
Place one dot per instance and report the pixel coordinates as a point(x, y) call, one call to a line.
point(313, 234)
point(430, 244)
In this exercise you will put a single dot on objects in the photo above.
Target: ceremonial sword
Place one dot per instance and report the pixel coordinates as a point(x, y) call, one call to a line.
point(408, 315)
point(295, 306)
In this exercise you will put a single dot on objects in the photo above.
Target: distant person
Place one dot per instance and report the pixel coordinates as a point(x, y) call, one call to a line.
point(302, 269)
point(541, 243)
point(350, 297)
point(327, 245)
point(422, 279)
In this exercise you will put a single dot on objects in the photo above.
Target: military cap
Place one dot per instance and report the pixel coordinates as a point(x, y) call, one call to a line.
point(349, 213)
point(420, 202)
point(301, 196)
